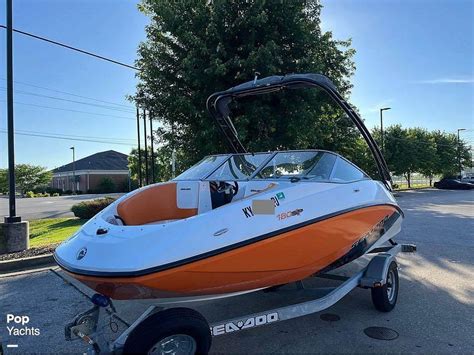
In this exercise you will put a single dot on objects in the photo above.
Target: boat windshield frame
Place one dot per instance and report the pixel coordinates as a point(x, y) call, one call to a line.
point(271, 155)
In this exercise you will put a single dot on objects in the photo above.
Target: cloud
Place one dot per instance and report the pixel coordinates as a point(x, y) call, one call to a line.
point(447, 81)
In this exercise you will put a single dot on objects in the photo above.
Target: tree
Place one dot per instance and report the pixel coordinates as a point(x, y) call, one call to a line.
point(446, 163)
point(400, 152)
point(213, 45)
point(425, 152)
point(465, 156)
point(417, 150)
point(162, 163)
point(27, 177)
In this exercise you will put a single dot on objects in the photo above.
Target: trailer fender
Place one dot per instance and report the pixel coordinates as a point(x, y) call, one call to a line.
point(376, 272)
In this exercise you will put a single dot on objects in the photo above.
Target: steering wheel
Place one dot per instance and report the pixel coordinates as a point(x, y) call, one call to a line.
point(234, 189)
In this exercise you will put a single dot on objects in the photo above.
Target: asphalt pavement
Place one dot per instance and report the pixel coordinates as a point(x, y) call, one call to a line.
point(46, 207)
point(434, 313)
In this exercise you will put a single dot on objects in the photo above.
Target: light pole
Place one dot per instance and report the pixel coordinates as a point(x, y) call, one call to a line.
point(12, 217)
point(150, 116)
point(139, 150)
point(73, 169)
point(15, 232)
point(146, 149)
point(381, 127)
point(459, 153)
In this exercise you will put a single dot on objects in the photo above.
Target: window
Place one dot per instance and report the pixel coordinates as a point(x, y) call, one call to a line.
point(239, 166)
point(323, 168)
point(345, 172)
point(303, 164)
point(203, 168)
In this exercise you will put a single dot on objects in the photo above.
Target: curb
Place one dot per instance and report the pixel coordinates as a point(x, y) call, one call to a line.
point(33, 262)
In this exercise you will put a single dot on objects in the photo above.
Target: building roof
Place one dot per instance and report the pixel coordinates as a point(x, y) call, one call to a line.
point(108, 160)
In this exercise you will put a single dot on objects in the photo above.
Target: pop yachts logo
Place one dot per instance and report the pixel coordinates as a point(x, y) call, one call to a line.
point(17, 326)
point(251, 322)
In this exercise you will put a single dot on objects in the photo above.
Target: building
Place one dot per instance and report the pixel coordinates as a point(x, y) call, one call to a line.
point(91, 171)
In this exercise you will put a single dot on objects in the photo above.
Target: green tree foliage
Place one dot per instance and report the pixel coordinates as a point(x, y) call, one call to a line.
point(417, 150)
point(425, 152)
point(27, 176)
point(446, 161)
point(213, 45)
point(465, 154)
point(400, 152)
point(163, 167)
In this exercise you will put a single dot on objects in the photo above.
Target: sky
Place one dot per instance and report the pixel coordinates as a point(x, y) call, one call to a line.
point(415, 56)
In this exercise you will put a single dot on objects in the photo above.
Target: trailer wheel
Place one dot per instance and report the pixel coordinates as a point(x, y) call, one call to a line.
point(385, 298)
point(172, 331)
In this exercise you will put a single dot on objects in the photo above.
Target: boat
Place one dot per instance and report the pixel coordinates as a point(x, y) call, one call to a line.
point(238, 222)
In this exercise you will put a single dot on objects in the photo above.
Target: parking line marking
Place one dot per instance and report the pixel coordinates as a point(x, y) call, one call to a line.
point(12, 345)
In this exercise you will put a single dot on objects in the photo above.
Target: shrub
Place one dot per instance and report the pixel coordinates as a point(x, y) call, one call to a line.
point(56, 194)
point(106, 185)
point(88, 209)
point(68, 192)
point(78, 192)
point(53, 190)
point(38, 189)
point(30, 194)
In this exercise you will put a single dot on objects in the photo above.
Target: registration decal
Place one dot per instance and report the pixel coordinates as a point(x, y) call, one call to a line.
point(249, 211)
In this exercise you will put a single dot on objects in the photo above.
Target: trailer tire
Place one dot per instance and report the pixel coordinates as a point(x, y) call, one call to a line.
point(385, 297)
point(173, 328)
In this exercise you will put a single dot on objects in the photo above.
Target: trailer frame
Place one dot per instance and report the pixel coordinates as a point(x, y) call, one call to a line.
point(88, 325)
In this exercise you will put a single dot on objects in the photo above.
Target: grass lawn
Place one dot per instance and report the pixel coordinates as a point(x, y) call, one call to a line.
point(44, 232)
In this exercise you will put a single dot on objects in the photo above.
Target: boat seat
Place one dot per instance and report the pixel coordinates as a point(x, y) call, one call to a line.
point(153, 204)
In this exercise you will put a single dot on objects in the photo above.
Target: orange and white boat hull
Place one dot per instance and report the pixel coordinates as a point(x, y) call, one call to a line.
point(290, 254)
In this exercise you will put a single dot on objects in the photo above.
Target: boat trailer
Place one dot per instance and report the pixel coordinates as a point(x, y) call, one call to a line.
point(185, 331)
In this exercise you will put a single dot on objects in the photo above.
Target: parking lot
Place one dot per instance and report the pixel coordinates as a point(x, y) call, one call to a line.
point(434, 314)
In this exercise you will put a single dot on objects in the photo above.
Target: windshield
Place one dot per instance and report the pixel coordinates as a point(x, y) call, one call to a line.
point(309, 164)
point(203, 168)
point(239, 167)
